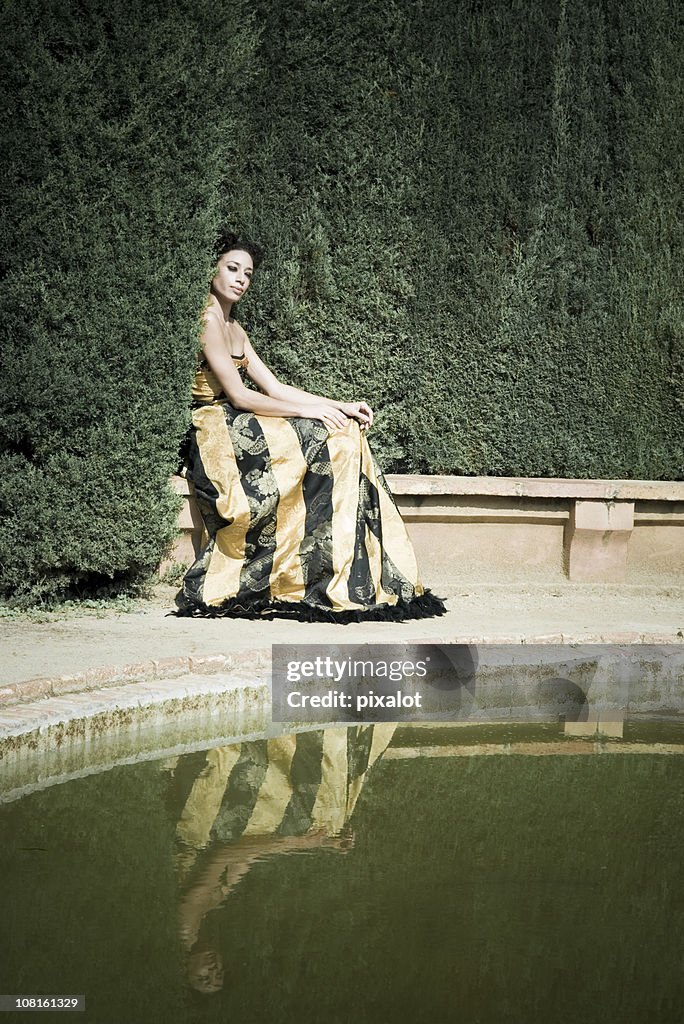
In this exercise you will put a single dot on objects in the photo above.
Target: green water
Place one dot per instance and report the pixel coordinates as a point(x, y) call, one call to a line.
point(474, 889)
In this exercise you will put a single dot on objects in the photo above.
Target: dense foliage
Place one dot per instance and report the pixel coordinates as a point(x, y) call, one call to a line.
point(116, 135)
point(472, 214)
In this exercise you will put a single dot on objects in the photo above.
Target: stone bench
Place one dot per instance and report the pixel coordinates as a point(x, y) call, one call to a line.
point(496, 529)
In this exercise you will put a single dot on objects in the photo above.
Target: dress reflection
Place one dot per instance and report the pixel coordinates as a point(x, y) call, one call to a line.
point(250, 801)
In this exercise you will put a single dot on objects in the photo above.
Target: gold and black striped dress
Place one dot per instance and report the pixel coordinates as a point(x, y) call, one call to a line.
point(299, 520)
point(288, 785)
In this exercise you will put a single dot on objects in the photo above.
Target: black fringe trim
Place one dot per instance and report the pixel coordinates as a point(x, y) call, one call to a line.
point(423, 606)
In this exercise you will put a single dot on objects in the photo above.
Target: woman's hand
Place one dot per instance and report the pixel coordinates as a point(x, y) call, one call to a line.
point(360, 411)
point(333, 417)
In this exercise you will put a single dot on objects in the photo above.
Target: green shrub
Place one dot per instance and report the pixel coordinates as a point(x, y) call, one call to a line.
point(470, 211)
point(118, 123)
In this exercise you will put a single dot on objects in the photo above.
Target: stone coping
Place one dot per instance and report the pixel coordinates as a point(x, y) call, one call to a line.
point(258, 659)
point(538, 487)
point(137, 672)
point(124, 714)
point(522, 487)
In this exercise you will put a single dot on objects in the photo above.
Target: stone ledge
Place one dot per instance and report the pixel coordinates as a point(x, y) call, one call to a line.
point(538, 487)
point(115, 678)
point(198, 708)
point(583, 529)
point(521, 487)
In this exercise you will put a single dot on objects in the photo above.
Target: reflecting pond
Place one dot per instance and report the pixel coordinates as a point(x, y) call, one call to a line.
point(370, 873)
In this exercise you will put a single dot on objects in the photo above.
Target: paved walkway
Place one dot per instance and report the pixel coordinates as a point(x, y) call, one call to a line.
point(83, 651)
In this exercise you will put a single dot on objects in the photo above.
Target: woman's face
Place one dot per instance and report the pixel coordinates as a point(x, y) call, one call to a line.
point(205, 971)
point(234, 272)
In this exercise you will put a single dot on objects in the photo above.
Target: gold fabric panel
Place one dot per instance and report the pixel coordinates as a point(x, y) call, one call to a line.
point(288, 466)
point(206, 386)
point(204, 802)
point(222, 578)
point(276, 789)
point(330, 809)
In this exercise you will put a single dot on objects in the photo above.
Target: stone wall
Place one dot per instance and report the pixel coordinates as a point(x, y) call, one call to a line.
point(512, 529)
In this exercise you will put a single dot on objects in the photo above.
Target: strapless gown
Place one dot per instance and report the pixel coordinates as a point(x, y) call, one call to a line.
point(299, 520)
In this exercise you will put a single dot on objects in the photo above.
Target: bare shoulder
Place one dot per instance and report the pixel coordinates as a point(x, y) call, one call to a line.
point(212, 312)
point(214, 328)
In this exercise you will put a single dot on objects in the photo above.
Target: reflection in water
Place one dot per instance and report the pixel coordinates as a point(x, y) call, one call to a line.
point(250, 801)
point(564, 700)
point(510, 887)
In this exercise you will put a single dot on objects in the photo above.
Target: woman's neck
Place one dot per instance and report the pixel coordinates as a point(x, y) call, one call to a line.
point(225, 304)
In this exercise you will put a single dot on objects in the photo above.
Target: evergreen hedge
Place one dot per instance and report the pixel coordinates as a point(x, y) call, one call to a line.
point(472, 214)
point(118, 120)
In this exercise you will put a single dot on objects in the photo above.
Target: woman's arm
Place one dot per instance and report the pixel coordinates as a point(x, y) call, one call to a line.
point(269, 383)
point(221, 362)
point(228, 863)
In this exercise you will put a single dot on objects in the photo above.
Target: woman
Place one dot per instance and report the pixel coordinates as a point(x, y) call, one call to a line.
point(299, 517)
point(248, 802)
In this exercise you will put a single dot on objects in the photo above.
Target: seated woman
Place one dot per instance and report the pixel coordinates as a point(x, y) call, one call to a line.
point(299, 517)
point(247, 802)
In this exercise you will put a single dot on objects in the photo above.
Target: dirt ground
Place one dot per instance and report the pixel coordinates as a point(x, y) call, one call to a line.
point(73, 642)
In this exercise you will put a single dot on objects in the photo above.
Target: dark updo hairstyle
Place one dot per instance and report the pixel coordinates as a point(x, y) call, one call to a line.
point(227, 240)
